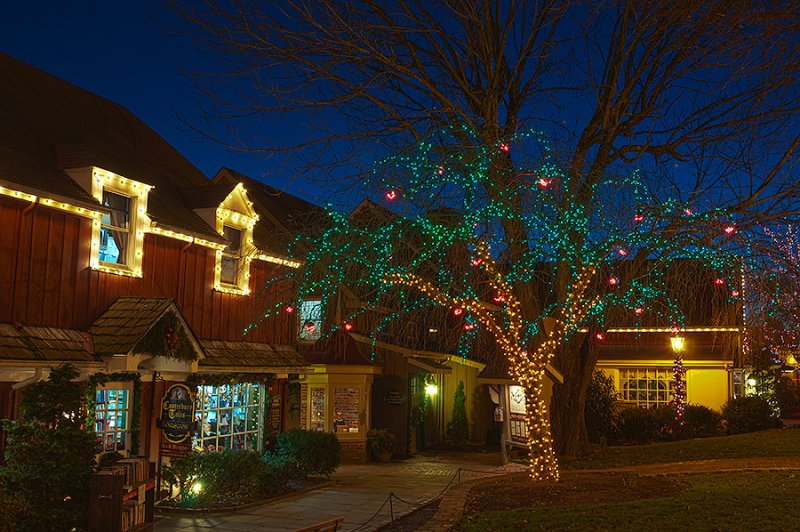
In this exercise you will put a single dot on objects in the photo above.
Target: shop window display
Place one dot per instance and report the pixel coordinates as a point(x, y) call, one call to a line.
point(229, 417)
point(346, 409)
point(112, 412)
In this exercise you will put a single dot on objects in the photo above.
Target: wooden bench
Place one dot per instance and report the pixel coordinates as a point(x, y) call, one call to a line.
point(331, 525)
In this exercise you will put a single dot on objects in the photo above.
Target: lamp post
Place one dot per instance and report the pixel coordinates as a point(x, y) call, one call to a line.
point(679, 400)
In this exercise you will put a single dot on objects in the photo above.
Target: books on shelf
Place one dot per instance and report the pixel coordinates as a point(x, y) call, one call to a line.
point(136, 484)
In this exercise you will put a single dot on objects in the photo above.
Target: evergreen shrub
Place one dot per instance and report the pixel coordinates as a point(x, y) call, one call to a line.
point(601, 402)
point(457, 431)
point(309, 452)
point(749, 414)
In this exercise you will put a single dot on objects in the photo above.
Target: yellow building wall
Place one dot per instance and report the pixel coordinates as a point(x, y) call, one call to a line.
point(704, 386)
point(469, 375)
point(707, 387)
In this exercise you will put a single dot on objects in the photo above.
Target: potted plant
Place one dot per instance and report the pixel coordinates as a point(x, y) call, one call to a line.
point(381, 444)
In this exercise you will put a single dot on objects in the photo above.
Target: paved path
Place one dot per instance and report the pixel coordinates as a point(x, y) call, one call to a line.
point(360, 494)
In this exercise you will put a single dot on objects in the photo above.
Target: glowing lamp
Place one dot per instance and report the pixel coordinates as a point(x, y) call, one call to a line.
point(678, 343)
point(431, 389)
point(751, 382)
point(197, 487)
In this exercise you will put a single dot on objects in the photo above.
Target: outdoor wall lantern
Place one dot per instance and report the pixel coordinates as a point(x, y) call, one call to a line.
point(431, 389)
point(678, 343)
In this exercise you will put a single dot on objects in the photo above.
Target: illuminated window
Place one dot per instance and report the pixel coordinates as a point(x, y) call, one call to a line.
point(229, 417)
point(317, 414)
point(118, 236)
point(112, 418)
point(231, 255)
point(115, 229)
point(647, 387)
point(310, 319)
point(346, 409)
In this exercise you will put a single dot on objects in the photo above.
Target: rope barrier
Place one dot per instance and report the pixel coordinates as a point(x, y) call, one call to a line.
point(417, 505)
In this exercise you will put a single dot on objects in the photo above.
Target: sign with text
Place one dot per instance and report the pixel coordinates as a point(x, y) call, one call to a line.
point(177, 414)
point(516, 411)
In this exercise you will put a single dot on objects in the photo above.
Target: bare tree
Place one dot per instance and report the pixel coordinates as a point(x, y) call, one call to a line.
point(701, 95)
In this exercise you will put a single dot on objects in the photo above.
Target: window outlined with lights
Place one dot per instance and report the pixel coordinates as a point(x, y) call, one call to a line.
point(118, 235)
point(235, 219)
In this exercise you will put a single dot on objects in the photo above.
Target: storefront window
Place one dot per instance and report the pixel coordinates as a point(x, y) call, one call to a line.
point(317, 408)
point(112, 408)
point(345, 407)
point(229, 417)
point(647, 387)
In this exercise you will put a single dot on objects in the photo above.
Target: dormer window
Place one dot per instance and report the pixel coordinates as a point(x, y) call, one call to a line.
point(235, 221)
point(231, 256)
point(115, 229)
point(118, 235)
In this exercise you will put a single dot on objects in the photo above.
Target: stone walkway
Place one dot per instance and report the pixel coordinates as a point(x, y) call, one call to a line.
point(360, 494)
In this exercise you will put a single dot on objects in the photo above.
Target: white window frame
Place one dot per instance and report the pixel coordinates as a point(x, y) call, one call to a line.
point(202, 440)
point(643, 397)
point(101, 414)
point(138, 222)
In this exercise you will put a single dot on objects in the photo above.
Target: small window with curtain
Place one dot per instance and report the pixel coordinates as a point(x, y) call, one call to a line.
point(115, 229)
point(229, 264)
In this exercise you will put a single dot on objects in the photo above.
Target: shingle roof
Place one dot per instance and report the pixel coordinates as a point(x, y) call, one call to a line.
point(252, 355)
point(43, 343)
point(48, 125)
point(125, 322)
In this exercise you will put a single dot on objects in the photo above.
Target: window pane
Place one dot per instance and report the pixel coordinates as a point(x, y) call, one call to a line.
point(234, 237)
point(120, 210)
point(228, 268)
point(228, 417)
point(310, 320)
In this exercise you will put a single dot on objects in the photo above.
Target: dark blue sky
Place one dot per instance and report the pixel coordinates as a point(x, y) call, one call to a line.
point(123, 51)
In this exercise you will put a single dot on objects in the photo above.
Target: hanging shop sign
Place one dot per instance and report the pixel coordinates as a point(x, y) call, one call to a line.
point(177, 414)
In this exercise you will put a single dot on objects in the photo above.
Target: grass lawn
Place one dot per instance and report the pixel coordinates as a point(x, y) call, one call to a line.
point(776, 442)
point(625, 500)
point(760, 500)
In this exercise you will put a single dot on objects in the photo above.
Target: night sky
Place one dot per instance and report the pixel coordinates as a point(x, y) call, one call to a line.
point(125, 51)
